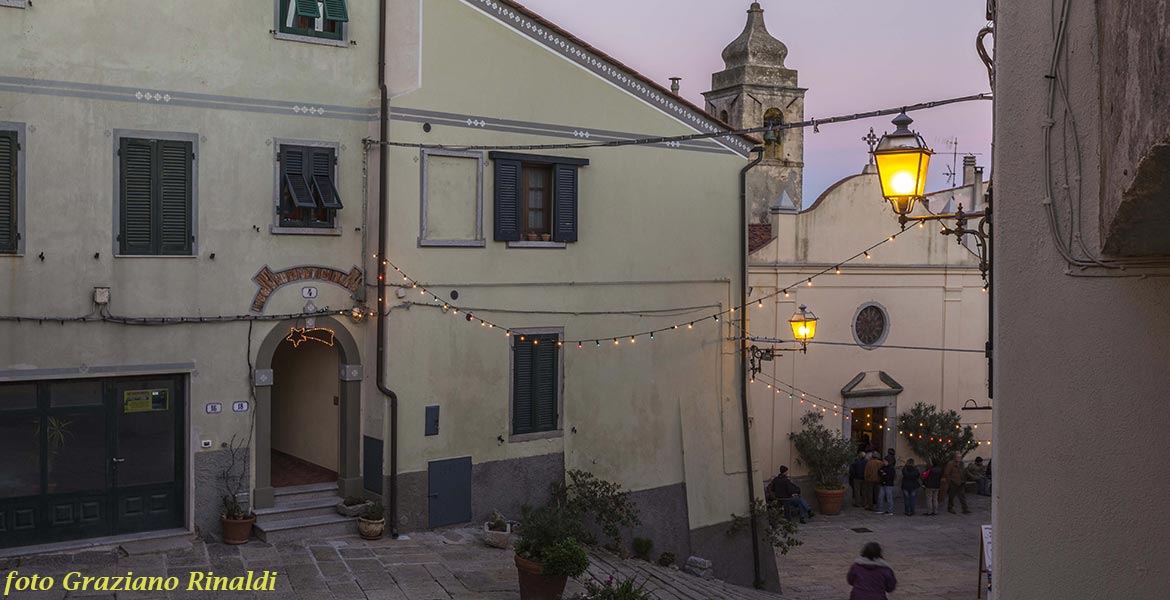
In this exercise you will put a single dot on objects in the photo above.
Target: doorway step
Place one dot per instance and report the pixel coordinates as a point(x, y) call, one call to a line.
point(303, 512)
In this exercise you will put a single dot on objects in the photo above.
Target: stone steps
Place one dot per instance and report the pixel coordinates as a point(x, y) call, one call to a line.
point(304, 492)
point(302, 528)
point(303, 512)
point(295, 509)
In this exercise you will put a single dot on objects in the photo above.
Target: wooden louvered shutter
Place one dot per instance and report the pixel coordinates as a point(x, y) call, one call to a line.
point(174, 197)
point(522, 388)
point(308, 8)
point(507, 200)
point(292, 167)
point(335, 10)
point(564, 203)
point(8, 189)
point(545, 384)
point(321, 173)
point(137, 192)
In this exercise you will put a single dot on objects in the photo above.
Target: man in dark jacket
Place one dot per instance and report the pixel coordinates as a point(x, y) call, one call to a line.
point(911, 481)
point(932, 481)
point(870, 576)
point(857, 479)
point(787, 492)
point(887, 474)
point(956, 479)
point(872, 481)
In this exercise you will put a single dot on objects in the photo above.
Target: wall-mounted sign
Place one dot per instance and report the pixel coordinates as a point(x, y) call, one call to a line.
point(308, 292)
point(240, 406)
point(136, 401)
point(214, 408)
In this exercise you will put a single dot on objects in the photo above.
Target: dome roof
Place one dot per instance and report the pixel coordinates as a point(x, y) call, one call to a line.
point(755, 46)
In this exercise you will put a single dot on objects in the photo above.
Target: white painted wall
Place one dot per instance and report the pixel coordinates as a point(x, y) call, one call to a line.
point(304, 417)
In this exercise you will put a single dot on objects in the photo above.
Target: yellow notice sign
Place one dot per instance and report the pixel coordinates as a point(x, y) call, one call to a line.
point(136, 401)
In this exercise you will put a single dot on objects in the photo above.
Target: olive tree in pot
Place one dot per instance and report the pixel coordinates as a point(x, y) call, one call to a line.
point(549, 551)
point(826, 454)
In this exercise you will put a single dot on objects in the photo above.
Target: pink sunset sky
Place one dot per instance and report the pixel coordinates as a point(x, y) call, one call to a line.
point(852, 55)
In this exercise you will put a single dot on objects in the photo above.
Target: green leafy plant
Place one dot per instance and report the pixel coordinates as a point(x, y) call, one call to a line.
point(825, 452)
point(604, 502)
point(627, 589)
point(566, 558)
point(353, 501)
point(934, 435)
point(497, 522)
point(545, 528)
point(666, 559)
point(642, 548)
point(779, 531)
point(374, 512)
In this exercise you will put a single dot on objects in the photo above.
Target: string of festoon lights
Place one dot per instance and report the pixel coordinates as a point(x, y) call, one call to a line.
point(626, 339)
point(942, 439)
point(812, 400)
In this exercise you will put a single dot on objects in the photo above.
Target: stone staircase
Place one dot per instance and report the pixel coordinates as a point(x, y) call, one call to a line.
point(303, 512)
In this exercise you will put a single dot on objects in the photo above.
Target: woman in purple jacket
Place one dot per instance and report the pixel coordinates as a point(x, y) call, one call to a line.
point(870, 576)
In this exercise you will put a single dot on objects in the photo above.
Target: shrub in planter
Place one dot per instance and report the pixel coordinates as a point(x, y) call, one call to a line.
point(666, 559)
point(236, 521)
point(827, 455)
point(352, 506)
point(497, 531)
point(627, 589)
point(642, 548)
point(601, 502)
point(549, 551)
point(372, 522)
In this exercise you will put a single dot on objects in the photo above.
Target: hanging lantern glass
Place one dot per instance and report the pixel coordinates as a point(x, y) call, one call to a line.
point(902, 159)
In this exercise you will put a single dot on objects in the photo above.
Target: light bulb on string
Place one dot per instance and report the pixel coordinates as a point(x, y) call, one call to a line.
point(867, 254)
point(922, 224)
point(578, 345)
point(632, 339)
point(785, 293)
point(810, 282)
point(838, 270)
point(691, 325)
point(651, 336)
point(615, 342)
point(716, 318)
point(598, 343)
point(760, 304)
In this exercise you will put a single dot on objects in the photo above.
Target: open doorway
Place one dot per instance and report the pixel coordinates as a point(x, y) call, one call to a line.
point(306, 398)
point(869, 429)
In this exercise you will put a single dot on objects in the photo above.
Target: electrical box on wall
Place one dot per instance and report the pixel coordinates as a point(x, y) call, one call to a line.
point(101, 295)
point(432, 416)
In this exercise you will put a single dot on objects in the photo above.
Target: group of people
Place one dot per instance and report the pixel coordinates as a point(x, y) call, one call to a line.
point(873, 478)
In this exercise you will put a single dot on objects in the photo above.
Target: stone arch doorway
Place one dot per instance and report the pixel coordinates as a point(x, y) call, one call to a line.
point(871, 399)
point(345, 359)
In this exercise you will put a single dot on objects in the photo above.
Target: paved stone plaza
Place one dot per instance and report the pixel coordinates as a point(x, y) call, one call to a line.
point(934, 558)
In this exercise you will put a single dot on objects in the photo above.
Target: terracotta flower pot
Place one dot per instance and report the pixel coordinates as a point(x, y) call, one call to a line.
point(830, 501)
point(534, 585)
point(546, 237)
point(237, 531)
point(371, 530)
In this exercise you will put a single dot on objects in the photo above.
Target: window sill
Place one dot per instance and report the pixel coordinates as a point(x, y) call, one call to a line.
point(532, 437)
point(327, 231)
point(554, 245)
point(451, 243)
point(308, 39)
point(156, 256)
point(14, 3)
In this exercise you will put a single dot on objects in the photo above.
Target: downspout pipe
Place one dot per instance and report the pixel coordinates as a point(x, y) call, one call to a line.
point(383, 211)
point(758, 580)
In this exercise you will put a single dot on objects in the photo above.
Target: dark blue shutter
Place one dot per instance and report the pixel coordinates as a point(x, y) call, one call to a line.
point(522, 388)
point(137, 192)
point(507, 196)
point(565, 203)
point(8, 187)
point(545, 384)
point(174, 198)
point(292, 167)
point(322, 178)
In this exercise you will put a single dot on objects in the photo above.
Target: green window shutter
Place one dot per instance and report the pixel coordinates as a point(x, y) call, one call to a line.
point(335, 10)
point(174, 198)
point(565, 203)
point(137, 191)
point(545, 384)
point(292, 166)
point(507, 196)
point(322, 178)
point(8, 186)
point(308, 8)
point(522, 388)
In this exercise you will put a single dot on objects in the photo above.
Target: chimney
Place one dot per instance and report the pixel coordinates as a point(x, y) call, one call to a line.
point(674, 84)
point(968, 170)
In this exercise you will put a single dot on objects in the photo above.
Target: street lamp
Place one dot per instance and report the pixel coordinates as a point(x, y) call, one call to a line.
point(902, 160)
point(804, 329)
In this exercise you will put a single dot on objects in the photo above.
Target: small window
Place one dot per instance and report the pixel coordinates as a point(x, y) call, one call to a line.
point(9, 191)
point(155, 197)
point(871, 324)
point(535, 382)
point(308, 192)
point(536, 198)
point(322, 19)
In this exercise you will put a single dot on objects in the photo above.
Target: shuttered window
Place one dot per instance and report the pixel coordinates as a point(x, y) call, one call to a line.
point(155, 197)
point(9, 188)
point(323, 19)
point(536, 197)
point(308, 192)
point(535, 383)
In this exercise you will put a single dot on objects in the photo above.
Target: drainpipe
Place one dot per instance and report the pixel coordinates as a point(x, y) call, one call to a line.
point(758, 582)
point(383, 210)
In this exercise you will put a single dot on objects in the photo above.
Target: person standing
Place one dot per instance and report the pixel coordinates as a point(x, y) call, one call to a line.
point(887, 474)
point(871, 577)
point(956, 477)
point(977, 472)
point(872, 481)
point(932, 480)
point(891, 457)
point(911, 481)
point(857, 479)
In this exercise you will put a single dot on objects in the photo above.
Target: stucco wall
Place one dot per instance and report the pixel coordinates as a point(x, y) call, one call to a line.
point(1076, 394)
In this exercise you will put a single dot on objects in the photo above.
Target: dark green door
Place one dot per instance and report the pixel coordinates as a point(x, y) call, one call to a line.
point(85, 458)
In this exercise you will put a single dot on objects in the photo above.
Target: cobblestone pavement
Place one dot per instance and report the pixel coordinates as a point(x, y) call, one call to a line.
point(446, 565)
point(934, 558)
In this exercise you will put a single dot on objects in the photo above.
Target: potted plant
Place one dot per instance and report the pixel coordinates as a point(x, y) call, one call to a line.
point(532, 237)
point(352, 506)
point(497, 532)
point(236, 519)
point(372, 522)
point(546, 237)
point(827, 455)
point(627, 589)
point(549, 551)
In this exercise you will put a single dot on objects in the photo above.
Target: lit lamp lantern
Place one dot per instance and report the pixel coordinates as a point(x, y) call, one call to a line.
point(902, 159)
point(804, 325)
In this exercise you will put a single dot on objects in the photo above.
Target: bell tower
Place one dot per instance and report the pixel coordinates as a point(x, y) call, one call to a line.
point(756, 89)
